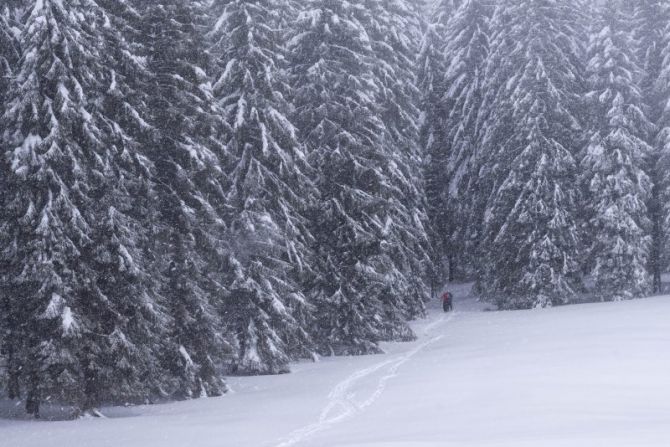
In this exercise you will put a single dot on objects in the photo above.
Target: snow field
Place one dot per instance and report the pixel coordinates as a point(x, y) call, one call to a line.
point(589, 375)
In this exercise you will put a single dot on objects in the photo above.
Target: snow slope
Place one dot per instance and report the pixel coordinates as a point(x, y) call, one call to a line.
point(588, 375)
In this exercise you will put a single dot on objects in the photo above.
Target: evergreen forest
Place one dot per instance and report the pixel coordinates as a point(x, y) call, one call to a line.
point(192, 190)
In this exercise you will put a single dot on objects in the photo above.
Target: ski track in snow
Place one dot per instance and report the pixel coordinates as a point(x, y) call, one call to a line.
point(342, 405)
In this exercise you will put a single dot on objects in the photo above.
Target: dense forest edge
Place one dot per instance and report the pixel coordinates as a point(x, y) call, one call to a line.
point(193, 190)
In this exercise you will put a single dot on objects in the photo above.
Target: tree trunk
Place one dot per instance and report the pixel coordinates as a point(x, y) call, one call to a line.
point(33, 399)
point(13, 387)
point(657, 243)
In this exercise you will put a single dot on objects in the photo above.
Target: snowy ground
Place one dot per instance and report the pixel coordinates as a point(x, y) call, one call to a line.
point(589, 375)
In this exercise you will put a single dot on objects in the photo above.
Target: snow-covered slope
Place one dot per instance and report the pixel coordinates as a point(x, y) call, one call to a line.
point(589, 375)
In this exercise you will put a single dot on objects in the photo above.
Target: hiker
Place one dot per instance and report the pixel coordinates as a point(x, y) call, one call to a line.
point(447, 301)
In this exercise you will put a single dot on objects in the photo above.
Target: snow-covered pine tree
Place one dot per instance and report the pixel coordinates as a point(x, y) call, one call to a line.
point(466, 53)
point(82, 183)
point(54, 149)
point(652, 35)
point(615, 186)
point(42, 228)
point(335, 110)
point(492, 125)
point(267, 310)
point(431, 68)
point(532, 241)
point(187, 153)
point(9, 56)
point(128, 365)
point(662, 88)
point(394, 30)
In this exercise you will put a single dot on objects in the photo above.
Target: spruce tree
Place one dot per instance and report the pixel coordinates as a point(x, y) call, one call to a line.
point(435, 58)
point(431, 68)
point(43, 227)
point(466, 52)
point(51, 145)
point(74, 225)
point(9, 56)
point(393, 29)
point(335, 110)
point(129, 367)
point(187, 154)
point(662, 89)
point(652, 38)
point(270, 191)
point(616, 188)
point(531, 233)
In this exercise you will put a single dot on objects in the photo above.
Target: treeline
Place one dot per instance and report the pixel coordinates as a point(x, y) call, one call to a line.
point(192, 189)
point(548, 146)
point(195, 189)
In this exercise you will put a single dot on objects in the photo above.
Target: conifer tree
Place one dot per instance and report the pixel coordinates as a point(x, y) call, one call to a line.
point(531, 235)
point(187, 154)
point(129, 368)
point(662, 88)
point(651, 35)
point(75, 224)
point(52, 148)
point(43, 225)
point(335, 110)
point(270, 190)
point(616, 188)
point(9, 55)
point(394, 32)
point(431, 66)
point(466, 52)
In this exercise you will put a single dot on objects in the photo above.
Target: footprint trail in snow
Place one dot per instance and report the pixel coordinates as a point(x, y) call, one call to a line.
point(342, 405)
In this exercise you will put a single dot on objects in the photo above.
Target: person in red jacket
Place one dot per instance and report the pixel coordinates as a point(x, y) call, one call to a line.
point(447, 302)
